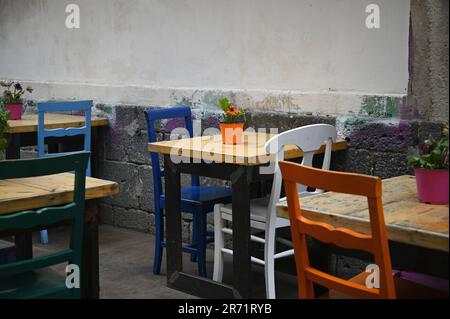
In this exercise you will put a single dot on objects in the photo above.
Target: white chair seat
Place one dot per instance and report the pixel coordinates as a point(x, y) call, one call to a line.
point(258, 212)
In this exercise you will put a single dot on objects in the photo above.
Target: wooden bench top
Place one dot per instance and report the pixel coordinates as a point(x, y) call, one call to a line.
point(50, 190)
point(407, 220)
point(250, 152)
point(29, 123)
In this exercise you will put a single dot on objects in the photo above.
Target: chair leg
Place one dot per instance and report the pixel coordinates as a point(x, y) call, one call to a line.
point(218, 244)
point(269, 260)
point(201, 243)
point(44, 236)
point(159, 237)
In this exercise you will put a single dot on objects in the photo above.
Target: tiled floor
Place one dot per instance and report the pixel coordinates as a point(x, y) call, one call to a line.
point(126, 259)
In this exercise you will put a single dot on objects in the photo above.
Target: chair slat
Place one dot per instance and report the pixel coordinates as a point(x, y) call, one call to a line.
point(22, 266)
point(43, 217)
point(342, 237)
point(340, 182)
point(36, 167)
point(61, 132)
point(341, 285)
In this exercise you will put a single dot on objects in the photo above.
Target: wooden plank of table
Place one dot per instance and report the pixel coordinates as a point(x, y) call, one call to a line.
point(250, 152)
point(407, 220)
point(35, 192)
point(29, 123)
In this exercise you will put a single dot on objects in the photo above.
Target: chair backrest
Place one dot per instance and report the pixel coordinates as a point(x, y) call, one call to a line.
point(309, 139)
point(153, 115)
point(376, 243)
point(73, 106)
point(43, 217)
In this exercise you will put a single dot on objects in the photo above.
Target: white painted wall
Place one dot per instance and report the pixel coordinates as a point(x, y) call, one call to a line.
point(310, 49)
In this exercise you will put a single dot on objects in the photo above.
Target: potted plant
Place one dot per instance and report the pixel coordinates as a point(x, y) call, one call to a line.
point(431, 170)
point(4, 115)
point(12, 98)
point(232, 124)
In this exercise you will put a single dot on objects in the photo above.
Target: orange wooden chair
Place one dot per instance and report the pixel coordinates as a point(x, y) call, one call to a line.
point(376, 243)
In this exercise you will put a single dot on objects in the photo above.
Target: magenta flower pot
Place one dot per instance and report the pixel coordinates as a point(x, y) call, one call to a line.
point(15, 111)
point(432, 185)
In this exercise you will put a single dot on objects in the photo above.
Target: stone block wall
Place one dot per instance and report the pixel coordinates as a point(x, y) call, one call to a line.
point(377, 146)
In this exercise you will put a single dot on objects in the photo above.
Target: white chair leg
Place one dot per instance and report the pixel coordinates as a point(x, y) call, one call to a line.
point(269, 268)
point(218, 244)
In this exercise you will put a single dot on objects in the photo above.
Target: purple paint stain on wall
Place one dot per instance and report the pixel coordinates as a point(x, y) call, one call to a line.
point(175, 123)
point(212, 121)
point(383, 136)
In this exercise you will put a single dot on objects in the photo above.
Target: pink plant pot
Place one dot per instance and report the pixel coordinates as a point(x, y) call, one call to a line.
point(15, 111)
point(432, 185)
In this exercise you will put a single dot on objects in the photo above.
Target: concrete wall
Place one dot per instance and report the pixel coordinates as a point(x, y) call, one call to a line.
point(428, 87)
point(288, 55)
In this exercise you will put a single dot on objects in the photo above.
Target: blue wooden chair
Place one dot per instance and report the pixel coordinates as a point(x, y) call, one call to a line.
point(196, 200)
point(33, 278)
point(52, 107)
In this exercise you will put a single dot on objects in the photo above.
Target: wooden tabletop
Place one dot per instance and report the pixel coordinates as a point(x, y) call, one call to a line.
point(29, 123)
point(43, 191)
point(250, 152)
point(407, 220)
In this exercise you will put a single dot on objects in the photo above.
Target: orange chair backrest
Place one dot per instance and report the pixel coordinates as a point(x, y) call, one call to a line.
point(376, 243)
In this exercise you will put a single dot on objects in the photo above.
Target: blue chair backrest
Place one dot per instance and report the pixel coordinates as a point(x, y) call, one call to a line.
point(164, 114)
point(75, 106)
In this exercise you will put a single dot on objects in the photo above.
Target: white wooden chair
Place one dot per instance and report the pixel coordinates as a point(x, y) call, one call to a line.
point(263, 210)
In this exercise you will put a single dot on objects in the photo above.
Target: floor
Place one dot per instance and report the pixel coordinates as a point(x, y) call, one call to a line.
point(126, 259)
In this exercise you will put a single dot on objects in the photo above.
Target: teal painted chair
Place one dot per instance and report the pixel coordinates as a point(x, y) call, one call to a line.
point(33, 278)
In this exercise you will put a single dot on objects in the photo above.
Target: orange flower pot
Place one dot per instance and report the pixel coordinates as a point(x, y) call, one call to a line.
point(232, 132)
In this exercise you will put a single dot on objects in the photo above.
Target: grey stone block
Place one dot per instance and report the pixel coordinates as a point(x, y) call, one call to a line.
point(106, 213)
point(427, 130)
point(127, 139)
point(133, 218)
point(130, 187)
point(285, 121)
point(390, 164)
point(353, 160)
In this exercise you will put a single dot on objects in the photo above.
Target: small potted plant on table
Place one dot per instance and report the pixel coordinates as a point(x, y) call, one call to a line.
point(431, 170)
point(4, 115)
point(232, 124)
point(12, 98)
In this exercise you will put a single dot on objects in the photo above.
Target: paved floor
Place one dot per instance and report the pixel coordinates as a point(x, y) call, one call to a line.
point(126, 259)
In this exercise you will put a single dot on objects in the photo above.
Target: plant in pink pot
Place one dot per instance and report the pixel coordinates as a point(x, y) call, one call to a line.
point(4, 114)
point(12, 98)
point(431, 170)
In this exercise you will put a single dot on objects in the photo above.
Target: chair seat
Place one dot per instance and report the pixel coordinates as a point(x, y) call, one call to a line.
point(42, 283)
point(258, 212)
point(405, 289)
point(201, 195)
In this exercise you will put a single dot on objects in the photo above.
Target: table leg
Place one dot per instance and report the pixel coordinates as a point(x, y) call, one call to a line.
point(173, 219)
point(13, 148)
point(240, 180)
point(90, 260)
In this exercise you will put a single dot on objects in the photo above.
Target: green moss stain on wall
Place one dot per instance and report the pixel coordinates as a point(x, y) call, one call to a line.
point(381, 106)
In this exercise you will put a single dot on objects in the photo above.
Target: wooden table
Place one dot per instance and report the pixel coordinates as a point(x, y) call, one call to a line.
point(24, 132)
point(43, 191)
point(407, 220)
point(238, 163)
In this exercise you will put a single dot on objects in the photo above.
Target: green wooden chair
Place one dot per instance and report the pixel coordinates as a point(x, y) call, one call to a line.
point(33, 278)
